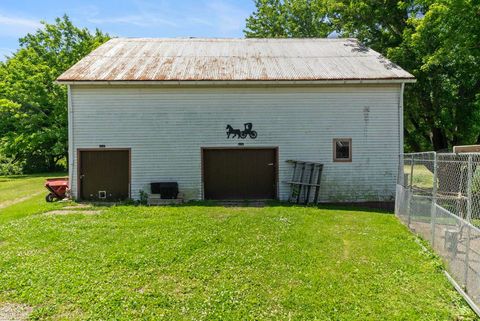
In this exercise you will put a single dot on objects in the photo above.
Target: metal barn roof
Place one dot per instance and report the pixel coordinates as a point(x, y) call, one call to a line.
point(195, 59)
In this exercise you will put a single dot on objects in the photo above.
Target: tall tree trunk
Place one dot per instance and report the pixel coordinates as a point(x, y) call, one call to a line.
point(51, 163)
point(439, 140)
point(410, 140)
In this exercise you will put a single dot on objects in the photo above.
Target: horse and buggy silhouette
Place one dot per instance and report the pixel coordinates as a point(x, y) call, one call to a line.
point(238, 133)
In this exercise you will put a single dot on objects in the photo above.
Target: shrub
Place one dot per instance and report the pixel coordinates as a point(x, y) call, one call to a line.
point(9, 167)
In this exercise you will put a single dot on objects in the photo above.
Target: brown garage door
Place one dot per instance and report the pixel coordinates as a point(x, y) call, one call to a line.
point(104, 175)
point(239, 173)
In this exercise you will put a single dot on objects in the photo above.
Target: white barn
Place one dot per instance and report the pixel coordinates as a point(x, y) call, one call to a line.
point(221, 117)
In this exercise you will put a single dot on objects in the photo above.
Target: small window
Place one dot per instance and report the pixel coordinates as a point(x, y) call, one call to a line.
point(342, 149)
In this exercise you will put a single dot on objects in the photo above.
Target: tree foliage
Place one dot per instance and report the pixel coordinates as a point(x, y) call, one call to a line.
point(436, 40)
point(442, 50)
point(33, 109)
point(277, 18)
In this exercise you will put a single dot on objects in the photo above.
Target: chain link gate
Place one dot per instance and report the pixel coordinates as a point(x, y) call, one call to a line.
point(438, 197)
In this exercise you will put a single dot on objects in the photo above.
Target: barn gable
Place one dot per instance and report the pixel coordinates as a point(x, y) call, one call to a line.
point(223, 118)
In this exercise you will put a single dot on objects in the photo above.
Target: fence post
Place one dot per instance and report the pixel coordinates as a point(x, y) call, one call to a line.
point(433, 209)
point(410, 191)
point(401, 170)
point(401, 182)
point(469, 217)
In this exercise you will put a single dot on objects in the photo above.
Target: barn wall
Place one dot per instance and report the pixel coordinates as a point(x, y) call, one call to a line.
point(166, 127)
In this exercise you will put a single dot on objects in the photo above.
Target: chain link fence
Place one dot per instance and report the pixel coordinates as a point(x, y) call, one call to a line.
point(438, 197)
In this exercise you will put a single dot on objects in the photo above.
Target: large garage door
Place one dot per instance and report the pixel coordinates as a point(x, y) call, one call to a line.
point(239, 173)
point(104, 175)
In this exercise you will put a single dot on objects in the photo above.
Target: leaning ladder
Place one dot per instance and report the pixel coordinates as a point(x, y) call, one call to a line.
point(306, 175)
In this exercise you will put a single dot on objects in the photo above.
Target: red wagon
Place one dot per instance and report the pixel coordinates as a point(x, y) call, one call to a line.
point(58, 188)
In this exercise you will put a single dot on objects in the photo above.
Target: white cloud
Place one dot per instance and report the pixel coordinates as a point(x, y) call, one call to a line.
point(228, 17)
point(14, 26)
point(200, 18)
point(19, 22)
point(199, 21)
point(144, 20)
point(146, 15)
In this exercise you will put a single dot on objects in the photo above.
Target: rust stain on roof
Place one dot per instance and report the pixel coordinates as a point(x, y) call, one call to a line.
point(143, 59)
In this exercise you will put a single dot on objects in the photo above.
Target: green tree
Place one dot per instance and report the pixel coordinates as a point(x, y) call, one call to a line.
point(291, 18)
point(378, 24)
point(436, 40)
point(33, 109)
point(442, 49)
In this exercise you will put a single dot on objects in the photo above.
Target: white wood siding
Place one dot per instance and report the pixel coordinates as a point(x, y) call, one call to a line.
point(166, 127)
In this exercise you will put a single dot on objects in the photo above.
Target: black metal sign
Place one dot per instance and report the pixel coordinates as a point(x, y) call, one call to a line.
point(238, 133)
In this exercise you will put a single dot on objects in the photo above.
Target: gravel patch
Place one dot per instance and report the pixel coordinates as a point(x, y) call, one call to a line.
point(14, 312)
point(78, 207)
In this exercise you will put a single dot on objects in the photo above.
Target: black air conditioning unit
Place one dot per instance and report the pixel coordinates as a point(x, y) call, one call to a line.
point(167, 190)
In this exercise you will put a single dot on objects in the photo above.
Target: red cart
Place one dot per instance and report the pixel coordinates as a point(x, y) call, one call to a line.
point(58, 188)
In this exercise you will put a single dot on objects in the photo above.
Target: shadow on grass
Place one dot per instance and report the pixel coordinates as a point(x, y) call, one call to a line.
point(363, 207)
point(27, 176)
point(375, 207)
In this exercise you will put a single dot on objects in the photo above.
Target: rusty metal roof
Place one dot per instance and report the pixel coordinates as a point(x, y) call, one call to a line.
point(195, 59)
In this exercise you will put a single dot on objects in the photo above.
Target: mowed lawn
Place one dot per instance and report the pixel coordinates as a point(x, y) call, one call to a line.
point(206, 262)
point(24, 195)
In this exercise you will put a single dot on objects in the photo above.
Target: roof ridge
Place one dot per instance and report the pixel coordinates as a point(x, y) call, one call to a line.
point(230, 39)
point(224, 59)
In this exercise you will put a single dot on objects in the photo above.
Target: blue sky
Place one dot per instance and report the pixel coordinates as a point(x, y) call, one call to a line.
point(132, 18)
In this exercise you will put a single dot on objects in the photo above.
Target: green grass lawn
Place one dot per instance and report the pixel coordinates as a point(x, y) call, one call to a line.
point(201, 262)
point(422, 176)
point(24, 195)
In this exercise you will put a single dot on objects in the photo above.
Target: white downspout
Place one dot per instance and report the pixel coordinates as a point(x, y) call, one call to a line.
point(70, 143)
point(400, 132)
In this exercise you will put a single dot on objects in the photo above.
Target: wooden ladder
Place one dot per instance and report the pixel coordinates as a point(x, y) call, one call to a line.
point(305, 176)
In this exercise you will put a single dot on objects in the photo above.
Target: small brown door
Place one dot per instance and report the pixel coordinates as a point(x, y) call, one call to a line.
point(239, 173)
point(104, 175)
